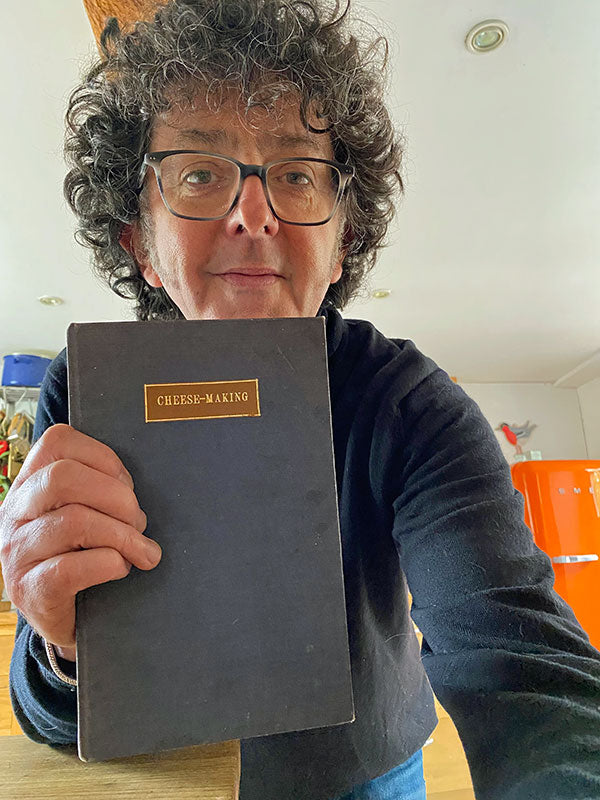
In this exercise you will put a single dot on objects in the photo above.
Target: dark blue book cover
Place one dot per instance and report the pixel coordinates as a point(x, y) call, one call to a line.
point(240, 631)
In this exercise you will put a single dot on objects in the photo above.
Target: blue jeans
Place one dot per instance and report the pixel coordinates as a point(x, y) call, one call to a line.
point(404, 782)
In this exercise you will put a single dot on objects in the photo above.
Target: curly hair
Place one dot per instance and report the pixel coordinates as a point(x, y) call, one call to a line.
point(263, 49)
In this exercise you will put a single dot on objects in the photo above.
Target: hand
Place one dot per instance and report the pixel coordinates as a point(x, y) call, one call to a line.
point(70, 520)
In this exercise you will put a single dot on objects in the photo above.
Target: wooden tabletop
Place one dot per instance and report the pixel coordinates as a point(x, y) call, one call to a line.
point(30, 771)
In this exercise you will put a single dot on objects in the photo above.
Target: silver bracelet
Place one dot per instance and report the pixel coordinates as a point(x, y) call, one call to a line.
point(54, 664)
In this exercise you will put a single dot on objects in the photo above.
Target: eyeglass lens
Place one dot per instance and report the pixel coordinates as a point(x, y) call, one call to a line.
point(205, 186)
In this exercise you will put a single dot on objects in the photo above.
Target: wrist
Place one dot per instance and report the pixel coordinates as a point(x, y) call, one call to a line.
point(56, 668)
point(68, 653)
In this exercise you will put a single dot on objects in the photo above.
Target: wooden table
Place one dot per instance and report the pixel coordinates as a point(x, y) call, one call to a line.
point(30, 771)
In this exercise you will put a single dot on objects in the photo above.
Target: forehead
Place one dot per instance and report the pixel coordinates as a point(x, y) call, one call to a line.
point(230, 127)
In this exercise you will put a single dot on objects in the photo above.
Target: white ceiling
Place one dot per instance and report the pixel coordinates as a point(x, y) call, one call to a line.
point(494, 259)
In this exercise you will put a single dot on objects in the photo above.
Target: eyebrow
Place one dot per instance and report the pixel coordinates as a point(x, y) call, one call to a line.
point(217, 137)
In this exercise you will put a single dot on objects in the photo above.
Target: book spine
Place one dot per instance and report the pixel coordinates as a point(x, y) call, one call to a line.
point(73, 378)
point(75, 419)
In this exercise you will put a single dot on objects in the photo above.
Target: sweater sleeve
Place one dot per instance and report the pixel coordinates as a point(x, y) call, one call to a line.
point(504, 654)
point(45, 706)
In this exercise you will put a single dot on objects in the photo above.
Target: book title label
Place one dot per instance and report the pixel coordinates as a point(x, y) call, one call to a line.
point(167, 402)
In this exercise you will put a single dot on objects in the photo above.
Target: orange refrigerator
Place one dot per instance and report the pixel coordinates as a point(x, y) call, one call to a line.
point(562, 510)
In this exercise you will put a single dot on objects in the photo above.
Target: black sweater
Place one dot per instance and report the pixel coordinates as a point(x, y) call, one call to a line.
point(425, 497)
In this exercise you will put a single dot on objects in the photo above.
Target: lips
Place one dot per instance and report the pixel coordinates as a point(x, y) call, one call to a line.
point(250, 271)
point(250, 277)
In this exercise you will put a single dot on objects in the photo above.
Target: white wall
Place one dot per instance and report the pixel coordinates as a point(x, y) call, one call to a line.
point(556, 412)
point(589, 399)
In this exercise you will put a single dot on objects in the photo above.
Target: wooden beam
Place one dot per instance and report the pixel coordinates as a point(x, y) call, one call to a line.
point(127, 12)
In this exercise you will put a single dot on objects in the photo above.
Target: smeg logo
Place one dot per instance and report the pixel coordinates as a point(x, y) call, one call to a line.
point(576, 490)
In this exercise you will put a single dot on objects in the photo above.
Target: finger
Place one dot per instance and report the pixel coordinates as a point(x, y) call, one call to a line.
point(62, 441)
point(70, 529)
point(50, 588)
point(64, 482)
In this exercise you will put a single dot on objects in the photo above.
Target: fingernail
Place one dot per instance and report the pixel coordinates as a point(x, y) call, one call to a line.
point(126, 478)
point(153, 551)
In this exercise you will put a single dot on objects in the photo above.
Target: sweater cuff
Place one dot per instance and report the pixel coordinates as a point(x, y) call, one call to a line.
point(38, 653)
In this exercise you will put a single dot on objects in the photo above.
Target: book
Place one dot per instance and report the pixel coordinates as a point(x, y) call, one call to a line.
point(240, 631)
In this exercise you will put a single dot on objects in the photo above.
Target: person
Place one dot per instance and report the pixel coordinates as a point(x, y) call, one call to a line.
point(162, 138)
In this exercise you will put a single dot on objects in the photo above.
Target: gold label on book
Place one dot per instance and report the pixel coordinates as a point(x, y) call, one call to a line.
point(166, 402)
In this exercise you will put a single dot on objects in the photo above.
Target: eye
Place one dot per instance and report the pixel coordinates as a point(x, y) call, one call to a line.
point(198, 176)
point(298, 178)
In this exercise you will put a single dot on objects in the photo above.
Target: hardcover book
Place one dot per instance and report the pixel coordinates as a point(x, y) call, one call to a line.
point(240, 631)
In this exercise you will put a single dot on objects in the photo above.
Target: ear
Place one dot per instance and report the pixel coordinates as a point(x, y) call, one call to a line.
point(131, 241)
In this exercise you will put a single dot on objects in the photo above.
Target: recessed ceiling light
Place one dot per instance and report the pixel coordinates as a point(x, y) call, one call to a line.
point(380, 293)
point(47, 300)
point(486, 36)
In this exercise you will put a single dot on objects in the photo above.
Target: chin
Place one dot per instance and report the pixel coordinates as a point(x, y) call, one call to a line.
point(244, 311)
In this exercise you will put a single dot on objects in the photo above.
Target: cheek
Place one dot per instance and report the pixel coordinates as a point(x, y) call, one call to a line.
point(180, 251)
point(195, 240)
point(324, 250)
point(314, 246)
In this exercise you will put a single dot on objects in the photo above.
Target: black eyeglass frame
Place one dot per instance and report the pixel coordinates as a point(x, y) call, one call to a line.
point(154, 160)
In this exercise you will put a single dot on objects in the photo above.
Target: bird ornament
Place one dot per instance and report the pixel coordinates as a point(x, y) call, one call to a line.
point(514, 433)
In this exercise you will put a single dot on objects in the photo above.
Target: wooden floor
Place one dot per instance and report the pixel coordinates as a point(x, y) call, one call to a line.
point(8, 724)
point(446, 771)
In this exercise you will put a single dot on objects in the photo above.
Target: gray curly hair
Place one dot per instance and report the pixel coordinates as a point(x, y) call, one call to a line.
point(264, 49)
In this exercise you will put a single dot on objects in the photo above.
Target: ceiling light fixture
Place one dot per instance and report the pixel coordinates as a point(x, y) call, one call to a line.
point(47, 300)
point(381, 293)
point(486, 36)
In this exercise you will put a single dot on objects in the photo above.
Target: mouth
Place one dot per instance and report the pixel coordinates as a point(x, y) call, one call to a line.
point(258, 270)
point(253, 277)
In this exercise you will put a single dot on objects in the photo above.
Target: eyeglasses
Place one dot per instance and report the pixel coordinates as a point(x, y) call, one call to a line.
point(205, 186)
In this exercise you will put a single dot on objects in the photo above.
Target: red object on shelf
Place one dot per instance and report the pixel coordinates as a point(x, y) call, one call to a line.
point(512, 438)
point(562, 510)
point(3, 449)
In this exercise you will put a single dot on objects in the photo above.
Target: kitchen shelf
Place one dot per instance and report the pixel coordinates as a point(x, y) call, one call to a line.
point(12, 394)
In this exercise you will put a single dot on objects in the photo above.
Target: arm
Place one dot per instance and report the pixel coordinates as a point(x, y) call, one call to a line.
point(504, 653)
point(71, 520)
point(45, 706)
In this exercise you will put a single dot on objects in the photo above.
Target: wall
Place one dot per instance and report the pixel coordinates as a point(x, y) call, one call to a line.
point(589, 399)
point(556, 412)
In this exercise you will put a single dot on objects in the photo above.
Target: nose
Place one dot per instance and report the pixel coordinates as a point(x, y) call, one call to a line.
point(251, 212)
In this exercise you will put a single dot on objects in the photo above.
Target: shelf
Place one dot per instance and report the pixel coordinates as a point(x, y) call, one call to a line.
point(12, 394)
